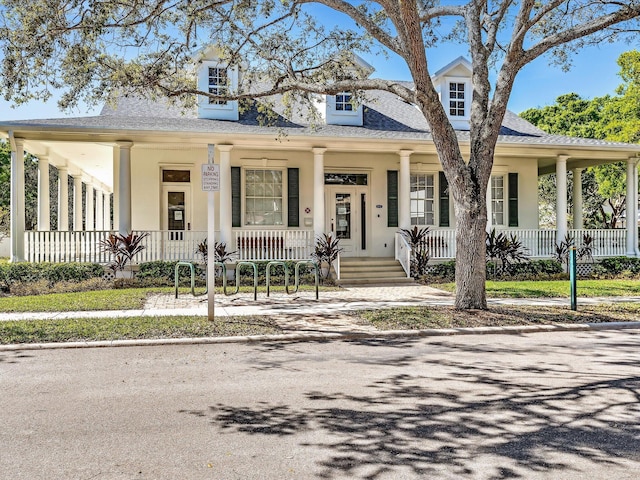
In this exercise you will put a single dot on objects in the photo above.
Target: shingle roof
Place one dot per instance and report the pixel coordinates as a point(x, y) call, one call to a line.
point(386, 116)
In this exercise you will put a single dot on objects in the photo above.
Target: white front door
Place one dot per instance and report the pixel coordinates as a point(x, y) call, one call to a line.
point(176, 210)
point(347, 218)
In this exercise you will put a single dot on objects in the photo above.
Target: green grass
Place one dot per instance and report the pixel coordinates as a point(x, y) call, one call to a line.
point(556, 288)
point(417, 318)
point(81, 329)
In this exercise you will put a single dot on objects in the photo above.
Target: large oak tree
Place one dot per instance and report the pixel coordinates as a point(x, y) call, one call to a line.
point(91, 48)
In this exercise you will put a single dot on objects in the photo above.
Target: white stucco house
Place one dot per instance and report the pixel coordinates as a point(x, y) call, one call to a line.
point(364, 173)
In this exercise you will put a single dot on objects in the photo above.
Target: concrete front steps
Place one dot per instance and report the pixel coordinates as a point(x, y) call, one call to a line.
point(363, 271)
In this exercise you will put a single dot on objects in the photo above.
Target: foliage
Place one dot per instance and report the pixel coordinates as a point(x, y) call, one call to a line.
point(504, 251)
point(288, 55)
point(5, 223)
point(584, 251)
point(420, 255)
point(326, 250)
point(162, 273)
point(617, 266)
point(50, 274)
point(122, 248)
point(612, 117)
point(221, 253)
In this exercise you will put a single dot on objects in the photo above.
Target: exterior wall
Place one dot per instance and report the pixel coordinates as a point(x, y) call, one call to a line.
point(147, 192)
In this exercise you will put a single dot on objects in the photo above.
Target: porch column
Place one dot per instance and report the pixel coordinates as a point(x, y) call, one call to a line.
point(63, 199)
point(226, 214)
point(489, 200)
point(404, 192)
point(578, 222)
point(561, 199)
point(77, 203)
point(44, 209)
point(318, 192)
point(17, 199)
point(116, 188)
point(88, 205)
point(99, 210)
point(632, 206)
point(106, 205)
point(124, 194)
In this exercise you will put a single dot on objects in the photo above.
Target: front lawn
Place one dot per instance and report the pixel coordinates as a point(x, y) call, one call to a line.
point(556, 288)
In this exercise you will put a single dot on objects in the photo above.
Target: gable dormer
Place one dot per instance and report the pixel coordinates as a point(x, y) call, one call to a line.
point(217, 77)
point(340, 109)
point(453, 83)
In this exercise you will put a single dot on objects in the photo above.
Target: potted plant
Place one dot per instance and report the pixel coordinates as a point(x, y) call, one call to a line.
point(326, 252)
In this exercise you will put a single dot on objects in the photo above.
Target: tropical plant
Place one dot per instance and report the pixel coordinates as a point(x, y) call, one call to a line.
point(5, 225)
point(327, 249)
point(417, 239)
point(122, 249)
point(221, 253)
point(504, 251)
point(585, 250)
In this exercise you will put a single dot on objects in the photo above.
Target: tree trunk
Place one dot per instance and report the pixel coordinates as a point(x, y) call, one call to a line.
point(471, 224)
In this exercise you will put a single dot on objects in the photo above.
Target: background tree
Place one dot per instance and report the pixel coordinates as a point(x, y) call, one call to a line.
point(611, 117)
point(93, 49)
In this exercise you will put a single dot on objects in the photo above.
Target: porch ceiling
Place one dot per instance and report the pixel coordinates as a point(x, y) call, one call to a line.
point(89, 159)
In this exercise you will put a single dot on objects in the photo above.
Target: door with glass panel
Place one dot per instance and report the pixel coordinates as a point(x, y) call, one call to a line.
point(176, 211)
point(347, 218)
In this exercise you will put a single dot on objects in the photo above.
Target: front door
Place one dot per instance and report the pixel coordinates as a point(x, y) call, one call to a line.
point(176, 212)
point(347, 218)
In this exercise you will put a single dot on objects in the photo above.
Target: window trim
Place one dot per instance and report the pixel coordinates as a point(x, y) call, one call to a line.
point(284, 197)
point(203, 84)
point(467, 97)
point(504, 200)
point(435, 199)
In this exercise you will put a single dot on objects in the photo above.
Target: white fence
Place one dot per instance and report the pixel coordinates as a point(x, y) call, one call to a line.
point(539, 243)
point(58, 247)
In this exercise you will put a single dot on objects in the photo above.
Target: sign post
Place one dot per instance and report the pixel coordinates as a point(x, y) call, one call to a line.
point(211, 184)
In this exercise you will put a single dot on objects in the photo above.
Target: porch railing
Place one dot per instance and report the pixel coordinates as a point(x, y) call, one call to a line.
point(403, 253)
point(273, 244)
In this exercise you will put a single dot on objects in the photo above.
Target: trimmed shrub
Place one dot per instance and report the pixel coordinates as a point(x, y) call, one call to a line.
point(50, 273)
point(617, 266)
point(162, 273)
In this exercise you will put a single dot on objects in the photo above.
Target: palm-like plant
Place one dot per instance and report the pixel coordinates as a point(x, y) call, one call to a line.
point(326, 250)
point(420, 255)
point(122, 248)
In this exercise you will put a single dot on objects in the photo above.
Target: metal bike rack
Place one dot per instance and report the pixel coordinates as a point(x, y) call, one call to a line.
point(297, 275)
point(286, 275)
point(237, 287)
point(193, 278)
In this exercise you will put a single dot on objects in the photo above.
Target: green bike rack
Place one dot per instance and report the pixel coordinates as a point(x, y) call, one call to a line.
point(193, 277)
point(237, 287)
point(286, 275)
point(297, 274)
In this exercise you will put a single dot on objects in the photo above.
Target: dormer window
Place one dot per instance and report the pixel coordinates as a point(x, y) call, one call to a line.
point(218, 84)
point(343, 102)
point(456, 99)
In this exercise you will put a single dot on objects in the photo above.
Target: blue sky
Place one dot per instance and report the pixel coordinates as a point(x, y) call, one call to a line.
point(594, 73)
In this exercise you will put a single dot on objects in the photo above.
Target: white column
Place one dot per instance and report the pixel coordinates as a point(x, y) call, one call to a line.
point(106, 206)
point(99, 210)
point(404, 190)
point(578, 222)
point(44, 209)
point(124, 183)
point(116, 188)
point(63, 199)
point(318, 191)
point(632, 207)
point(17, 200)
point(226, 215)
point(89, 219)
point(77, 203)
point(488, 199)
point(561, 198)
point(635, 203)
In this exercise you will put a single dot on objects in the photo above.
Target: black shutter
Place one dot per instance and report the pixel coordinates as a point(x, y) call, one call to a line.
point(236, 199)
point(443, 199)
point(513, 199)
point(293, 197)
point(392, 198)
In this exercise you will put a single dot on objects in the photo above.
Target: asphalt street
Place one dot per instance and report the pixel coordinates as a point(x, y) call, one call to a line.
point(537, 406)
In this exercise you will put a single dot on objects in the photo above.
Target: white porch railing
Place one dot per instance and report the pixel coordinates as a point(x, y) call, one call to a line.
point(403, 253)
point(273, 244)
point(54, 246)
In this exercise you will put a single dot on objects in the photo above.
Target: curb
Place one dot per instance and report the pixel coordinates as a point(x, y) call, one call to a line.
point(310, 337)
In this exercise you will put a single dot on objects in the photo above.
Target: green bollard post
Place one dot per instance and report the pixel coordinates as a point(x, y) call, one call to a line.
point(572, 277)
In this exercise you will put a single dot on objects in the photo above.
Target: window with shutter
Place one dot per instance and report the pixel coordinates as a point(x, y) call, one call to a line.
point(513, 199)
point(443, 196)
point(293, 197)
point(392, 198)
point(236, 202)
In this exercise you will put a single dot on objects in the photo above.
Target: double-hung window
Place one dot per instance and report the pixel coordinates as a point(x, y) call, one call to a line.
point(263, 197)
point(497, 200)
point(218, 84)
point(422, 199)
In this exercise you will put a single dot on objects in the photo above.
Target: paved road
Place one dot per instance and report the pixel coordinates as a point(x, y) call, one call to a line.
point(538, 406)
